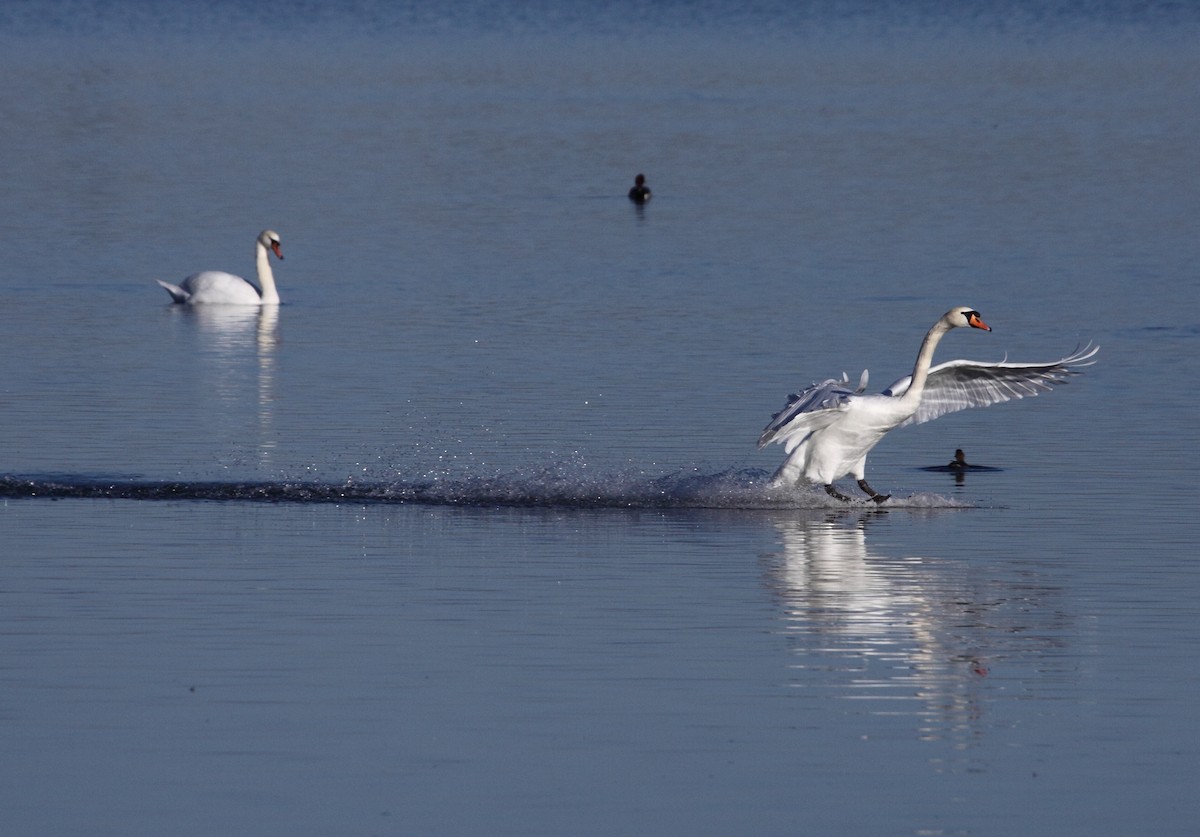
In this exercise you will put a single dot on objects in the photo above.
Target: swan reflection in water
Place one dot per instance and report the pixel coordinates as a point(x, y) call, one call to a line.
point(236, 344)
point(903, 636)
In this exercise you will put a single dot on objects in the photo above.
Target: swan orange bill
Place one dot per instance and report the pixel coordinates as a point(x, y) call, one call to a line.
point(972, 318)
point(275, 247)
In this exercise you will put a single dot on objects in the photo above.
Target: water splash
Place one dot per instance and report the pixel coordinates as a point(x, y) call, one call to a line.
point(547, 488)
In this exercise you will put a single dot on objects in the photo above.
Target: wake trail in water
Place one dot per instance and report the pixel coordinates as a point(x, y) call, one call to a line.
point(747, 489)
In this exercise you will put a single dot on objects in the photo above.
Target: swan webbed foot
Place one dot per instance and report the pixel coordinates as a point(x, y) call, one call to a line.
point(871, 492)
point(835, 494)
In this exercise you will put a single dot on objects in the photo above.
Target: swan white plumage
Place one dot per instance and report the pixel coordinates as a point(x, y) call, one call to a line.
point(828, 429)
point(217, 287)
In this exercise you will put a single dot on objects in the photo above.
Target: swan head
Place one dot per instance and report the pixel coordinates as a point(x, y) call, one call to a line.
point(962, 317)
point(270, 239)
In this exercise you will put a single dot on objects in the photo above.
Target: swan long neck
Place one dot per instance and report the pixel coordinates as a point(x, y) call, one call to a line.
point(925, 360)
point(266, 279)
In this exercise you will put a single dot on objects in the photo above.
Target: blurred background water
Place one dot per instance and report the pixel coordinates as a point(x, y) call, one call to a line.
point(483, 340)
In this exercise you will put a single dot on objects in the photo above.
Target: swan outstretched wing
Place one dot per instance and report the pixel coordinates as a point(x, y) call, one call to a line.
point(959, 384)
point(811, 408)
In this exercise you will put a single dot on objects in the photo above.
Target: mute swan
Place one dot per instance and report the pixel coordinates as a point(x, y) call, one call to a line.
point(640, 193)
point(828, 429)
point(218, 287)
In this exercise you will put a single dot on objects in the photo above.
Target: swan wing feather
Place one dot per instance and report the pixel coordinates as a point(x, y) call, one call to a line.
point(811, 409)
point(177, 293)
point(959, 384)
point(218, 286)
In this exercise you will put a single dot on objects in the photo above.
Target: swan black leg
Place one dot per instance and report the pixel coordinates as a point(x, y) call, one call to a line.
point(872, 493)
point(835, 494)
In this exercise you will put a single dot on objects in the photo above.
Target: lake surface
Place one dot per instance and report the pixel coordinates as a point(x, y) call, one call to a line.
point(470, 536)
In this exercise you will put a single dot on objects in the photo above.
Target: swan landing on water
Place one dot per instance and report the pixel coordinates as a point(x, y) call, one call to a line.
point(215, 287)
point(828, 429)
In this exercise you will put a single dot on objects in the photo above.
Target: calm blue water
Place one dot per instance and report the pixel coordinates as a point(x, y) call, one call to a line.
point(469, 536)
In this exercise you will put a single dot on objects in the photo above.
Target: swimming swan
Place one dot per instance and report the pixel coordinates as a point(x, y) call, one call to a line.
point(218, 287)
point(828, 429)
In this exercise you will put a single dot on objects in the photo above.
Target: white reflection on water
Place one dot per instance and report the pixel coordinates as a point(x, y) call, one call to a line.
point(236, 345)
point(882, 630)
point(267, 334)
